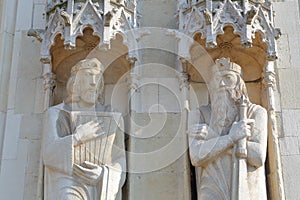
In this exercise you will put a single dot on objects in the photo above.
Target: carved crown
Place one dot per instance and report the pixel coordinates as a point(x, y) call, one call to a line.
point(93, 63)
point(224, 64)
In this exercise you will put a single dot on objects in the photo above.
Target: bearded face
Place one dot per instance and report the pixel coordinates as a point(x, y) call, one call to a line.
point(224, 97)
point(86, 85)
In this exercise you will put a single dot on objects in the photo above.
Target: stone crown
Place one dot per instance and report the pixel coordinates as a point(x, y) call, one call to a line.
point(92, 63)
point(224, 64)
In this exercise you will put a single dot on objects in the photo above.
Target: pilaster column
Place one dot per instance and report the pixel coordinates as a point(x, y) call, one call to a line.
point(275, 170)
point(133, 83)
point(49, 81)
point(184, 85)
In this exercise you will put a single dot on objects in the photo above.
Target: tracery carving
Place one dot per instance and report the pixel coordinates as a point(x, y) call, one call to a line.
point(209, 18)
point(70, 17)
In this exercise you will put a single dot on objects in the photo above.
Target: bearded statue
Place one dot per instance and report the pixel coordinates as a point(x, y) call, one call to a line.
point(83, 141)
point(215, 131)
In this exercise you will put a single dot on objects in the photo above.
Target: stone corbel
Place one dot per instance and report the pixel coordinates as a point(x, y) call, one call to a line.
point(49, 81)
point(269, 79)
point(134, 78)
point(183, 76)
point(184, 84)
point(132, 60)
point(134, 82)
point(184, 80)
point(36, 33)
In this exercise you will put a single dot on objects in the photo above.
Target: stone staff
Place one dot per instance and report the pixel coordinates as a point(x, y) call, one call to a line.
point(239, 186)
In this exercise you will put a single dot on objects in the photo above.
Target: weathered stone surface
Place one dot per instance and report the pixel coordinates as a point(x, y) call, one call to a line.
point(291, 176)
point(167, 125)
point(6, 41)
point(164, 10)
point(39, 15)
point(289, 10)
point(24, 20)
point(284, 54)
point(8, 16)
point(144, 185)
point(31, 182)
point(289, 146)
point(13, 173)
point(169, 95)
point(291, 122)
point(25, 95)
point(289, 87)
point(11, 139)
point(31, 126)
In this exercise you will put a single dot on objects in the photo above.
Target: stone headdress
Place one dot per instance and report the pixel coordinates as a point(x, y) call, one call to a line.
point(93, 64)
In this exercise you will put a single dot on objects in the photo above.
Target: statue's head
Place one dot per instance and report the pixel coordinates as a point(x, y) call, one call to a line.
point(228, 78)
point(86, 84)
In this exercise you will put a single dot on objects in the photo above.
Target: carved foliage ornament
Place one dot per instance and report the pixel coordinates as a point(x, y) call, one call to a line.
point(209, 19)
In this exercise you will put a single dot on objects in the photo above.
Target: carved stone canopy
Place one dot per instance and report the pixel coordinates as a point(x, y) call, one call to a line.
point(69, 19)
point(245, 17)
point(252, 60)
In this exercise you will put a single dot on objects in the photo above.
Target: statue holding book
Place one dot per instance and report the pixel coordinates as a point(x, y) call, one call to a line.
point(83, 141)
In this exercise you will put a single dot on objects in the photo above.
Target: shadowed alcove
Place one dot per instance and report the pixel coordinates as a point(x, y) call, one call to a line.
point(113, 59)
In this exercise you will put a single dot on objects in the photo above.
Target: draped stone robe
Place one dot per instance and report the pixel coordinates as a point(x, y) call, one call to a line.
point(213, 176)
point(59, 158)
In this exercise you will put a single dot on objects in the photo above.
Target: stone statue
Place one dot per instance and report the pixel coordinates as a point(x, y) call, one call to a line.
point(83, 141)
point(224, 170)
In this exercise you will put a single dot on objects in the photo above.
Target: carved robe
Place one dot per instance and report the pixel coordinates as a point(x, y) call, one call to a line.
point(59, 158)
point(213, 176)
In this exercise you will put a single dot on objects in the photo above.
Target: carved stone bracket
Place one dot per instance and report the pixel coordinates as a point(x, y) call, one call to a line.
point(133, 82)
point(269, 79)
point(49, 81)
point(68, 18)
point(210, 17)
point(183, 80)
point(132, 60)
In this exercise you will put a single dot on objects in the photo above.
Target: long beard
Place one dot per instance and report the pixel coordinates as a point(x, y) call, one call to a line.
point(224, 112)
point(89, 96)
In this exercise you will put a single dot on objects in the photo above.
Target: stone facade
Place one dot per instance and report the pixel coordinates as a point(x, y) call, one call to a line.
point(151, 77)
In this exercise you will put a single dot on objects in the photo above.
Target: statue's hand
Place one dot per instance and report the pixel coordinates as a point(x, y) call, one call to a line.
point(89, 172)
point(199, 131)
point(87, 131)
point(241, 129)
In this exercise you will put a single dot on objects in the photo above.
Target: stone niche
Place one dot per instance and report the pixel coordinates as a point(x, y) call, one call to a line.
point(253, 63)
point(114, 60)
